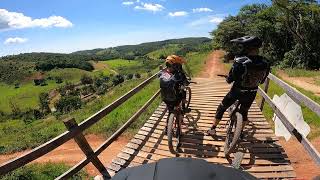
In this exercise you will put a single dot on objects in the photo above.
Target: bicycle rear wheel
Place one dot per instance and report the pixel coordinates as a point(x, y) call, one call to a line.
point(173, 133)
point(233, 133)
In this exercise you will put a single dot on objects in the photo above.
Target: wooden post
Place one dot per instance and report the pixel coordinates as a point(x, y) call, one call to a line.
point(70, 123)
point(266, 87)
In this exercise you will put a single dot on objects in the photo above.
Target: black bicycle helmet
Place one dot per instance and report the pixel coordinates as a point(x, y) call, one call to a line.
point(248, 41)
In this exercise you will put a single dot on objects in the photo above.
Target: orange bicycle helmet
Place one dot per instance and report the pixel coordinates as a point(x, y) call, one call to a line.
point(174, 59)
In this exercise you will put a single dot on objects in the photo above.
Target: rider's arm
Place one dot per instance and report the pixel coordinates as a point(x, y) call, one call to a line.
point(235, 73)
point(229, 78)
point(267, 73)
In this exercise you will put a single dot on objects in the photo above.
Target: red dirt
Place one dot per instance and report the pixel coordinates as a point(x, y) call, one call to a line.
point(70, 154)
point(214, 66)
point(303, 165)
point(37, 75)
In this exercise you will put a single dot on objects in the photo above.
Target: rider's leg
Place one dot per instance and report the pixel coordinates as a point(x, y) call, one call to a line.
point(227, 101)
point(184, 101)
point(246, 101)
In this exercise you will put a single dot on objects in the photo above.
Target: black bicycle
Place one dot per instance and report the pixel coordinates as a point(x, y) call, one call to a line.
point(175, 119)
point(234, 127)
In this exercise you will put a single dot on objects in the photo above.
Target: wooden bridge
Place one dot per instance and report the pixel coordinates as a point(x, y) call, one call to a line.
point(263, 155)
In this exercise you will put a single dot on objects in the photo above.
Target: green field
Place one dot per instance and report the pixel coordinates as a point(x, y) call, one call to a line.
point(26, 96)
point(132, 66)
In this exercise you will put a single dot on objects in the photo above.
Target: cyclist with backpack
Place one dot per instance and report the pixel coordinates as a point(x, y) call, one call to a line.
point(171, 78)
point(249, 70)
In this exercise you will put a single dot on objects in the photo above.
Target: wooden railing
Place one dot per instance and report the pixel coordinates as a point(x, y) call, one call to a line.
point(75, 131)
point(299, 98)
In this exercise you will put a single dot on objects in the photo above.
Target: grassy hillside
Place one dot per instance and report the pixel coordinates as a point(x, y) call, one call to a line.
point(141, 49)
point(165, 51)
point(16, 135)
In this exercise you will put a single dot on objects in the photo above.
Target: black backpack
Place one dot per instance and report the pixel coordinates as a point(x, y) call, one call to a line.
point(254, 72)
point(167, 86)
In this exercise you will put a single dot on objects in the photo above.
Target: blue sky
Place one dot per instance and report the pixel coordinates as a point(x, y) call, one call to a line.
point(71, 25)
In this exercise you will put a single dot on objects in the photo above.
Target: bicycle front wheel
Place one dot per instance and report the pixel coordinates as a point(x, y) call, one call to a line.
point(173, 133)
point(188, 97)
point(233, 133)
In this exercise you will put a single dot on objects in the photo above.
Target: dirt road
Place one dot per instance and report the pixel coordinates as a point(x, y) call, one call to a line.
point(70, 154)
point(306, 83)
point(214, 66)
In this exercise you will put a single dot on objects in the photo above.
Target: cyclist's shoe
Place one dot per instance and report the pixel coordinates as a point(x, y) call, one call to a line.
point(186, 110)
point(211, 132)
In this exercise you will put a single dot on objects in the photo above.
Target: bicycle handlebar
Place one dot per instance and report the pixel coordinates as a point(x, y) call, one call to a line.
point(222, 75)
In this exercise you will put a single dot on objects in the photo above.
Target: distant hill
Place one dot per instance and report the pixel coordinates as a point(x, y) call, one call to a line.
point(14, 68)
point(129, 51)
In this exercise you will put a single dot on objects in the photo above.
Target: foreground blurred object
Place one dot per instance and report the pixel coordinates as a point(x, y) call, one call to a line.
point(181, 168)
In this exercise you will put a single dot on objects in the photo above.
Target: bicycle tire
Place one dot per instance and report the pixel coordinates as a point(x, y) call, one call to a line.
point(170, 133)
point(188, 96)
point(233, 137)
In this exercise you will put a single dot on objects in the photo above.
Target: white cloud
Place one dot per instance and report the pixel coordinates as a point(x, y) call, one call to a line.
point(197, 10)
point(178, 13)
point(215, 19)
point(127, 3)
point(14, 20)
point(150, 7)
point(15, 40)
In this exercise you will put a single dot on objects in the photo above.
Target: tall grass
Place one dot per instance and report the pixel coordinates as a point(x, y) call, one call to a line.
point(301, 73)
point(45, 171)
point(195, 62)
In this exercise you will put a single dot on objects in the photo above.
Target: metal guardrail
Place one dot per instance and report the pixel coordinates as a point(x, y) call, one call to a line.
point(75, 131)
point(299, 98)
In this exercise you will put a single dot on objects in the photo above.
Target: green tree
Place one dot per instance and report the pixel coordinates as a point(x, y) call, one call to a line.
point(44, 102)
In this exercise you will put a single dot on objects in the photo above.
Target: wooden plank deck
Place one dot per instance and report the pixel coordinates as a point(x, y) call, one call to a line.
point(264, 157)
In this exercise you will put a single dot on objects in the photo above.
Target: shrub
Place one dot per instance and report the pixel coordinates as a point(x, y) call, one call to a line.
point(118, 79)
point(16, 85)
point(68, 103)
point(38, 82)
point(59, 80)
point(44, 103)
point(15, 110)
point(85, 79)
point(137, 75)
point(129, 76)
point(98, 82)
point(87, 90)
point(31, 115)
point(102, 89)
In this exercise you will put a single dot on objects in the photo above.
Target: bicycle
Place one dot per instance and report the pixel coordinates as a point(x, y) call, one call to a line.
point(234, 127)
point(175, 119)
